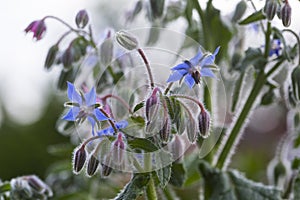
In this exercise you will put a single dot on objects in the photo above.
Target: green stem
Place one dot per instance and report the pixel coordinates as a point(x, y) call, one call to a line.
point(298, 41)
point(267, 38)
point(147, 64)
point(151, 191)
point(258, 85)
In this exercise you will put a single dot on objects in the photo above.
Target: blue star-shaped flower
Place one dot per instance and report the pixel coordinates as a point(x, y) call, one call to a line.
point(83, 106)
point(194, 68)
point(275, 48)
point(110, 130)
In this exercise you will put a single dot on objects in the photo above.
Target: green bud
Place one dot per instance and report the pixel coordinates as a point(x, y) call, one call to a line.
point(50, 59)
point(92, 165)
point(164, 133)
point(204, 123)
point(79, 159)
point(286, 13)
point(126, 40)
point(239, 11)
point(157, 8)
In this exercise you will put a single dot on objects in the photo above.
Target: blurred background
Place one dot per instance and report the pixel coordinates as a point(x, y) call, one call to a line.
point(30, 103)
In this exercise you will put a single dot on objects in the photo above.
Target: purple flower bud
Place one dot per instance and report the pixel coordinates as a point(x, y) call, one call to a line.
point(270, 9)
point(92, 166)
point(164, 133)
point(126, 40)
point(82, 19)
point(35, 183)
point(106, 170)
point(38, 28)
point(286, 13)
point(152, 105)
point(51, 56)
point(204, 123)
point(177, 148)
point(79, 159)
point(117, 150)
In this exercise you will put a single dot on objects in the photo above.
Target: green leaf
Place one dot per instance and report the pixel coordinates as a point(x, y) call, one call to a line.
point(64, 77)
point(138, 120)
point(296, 187)
point(257, 16)
point(178, 175)
point(5, 187)
point(138, 106)
point(255, 57)
point(145, 144)
point(231, 185)
point(135, 187)
point(164, 175)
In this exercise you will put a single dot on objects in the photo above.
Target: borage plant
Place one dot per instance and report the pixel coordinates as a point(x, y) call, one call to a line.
point(132, 117)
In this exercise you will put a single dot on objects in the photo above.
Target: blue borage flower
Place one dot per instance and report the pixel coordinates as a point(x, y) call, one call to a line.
point(83, 106)
point(194, 69)
point(275, 48)
point(109, 131)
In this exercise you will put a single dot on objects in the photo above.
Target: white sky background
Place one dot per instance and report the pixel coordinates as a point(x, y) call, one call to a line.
point(23, 80)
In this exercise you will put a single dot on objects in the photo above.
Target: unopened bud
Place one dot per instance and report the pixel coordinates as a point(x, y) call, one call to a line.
point(296, 83)
point(82, 19)
point(51, 56)
point(204, 123)
point(191, 130)
point(164, 133)
point(106, 170)
point(35, 183)
point(38, 28)
point(157, 8)
point(270, 9)
point(286, 13)
point(92, 166)
point(152, 105)
point(79, 159)
point(68, 57)
point(126, 40)
point(117, 150)
point(177, 148)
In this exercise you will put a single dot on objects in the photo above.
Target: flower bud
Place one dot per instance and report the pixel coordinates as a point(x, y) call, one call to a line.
point(106, 50)
point(117, 150)
point(92, 166)
point(286, 13)
point(38, 28)
point(157, 8)
point(164, 133)
point(35, 183)
point(204, 123)
point(191, 129)
point(51, 56)
point(106, 170)
point(68, 57)
point(79, 159)
point(126, 40)
point(82, 19)
point(270, 9)
point(152, 105)
point(177, 147)
point(296, 83)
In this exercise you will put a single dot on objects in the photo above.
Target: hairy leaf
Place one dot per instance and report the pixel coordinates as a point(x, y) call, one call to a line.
point(178, 175)
point(164, 175)
point(257, 16)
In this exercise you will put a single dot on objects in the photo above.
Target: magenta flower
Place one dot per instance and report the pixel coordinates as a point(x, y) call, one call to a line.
point(38, 28)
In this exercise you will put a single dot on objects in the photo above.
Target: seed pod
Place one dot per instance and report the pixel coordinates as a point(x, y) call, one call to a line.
point(79, 159)
point(286, 13)
point(92, 166)
point(126, 40)
point(51, 56)
point(270, 9)
point(82, 19)
point(204, 123)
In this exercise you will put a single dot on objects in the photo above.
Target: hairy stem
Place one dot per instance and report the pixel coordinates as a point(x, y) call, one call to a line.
point(147, 64)
point(151, 191)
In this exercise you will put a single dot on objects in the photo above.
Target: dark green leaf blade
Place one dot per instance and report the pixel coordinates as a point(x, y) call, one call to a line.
point(257, 16)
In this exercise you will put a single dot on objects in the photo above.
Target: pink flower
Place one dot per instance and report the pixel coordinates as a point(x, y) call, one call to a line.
point(38, 28)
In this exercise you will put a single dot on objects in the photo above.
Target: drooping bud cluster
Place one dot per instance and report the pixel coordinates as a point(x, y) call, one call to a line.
point(284, 12)
point(29, 187)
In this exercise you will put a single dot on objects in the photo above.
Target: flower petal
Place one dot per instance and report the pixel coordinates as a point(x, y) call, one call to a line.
point(183, 65)
point(121, 124)
point(92, 122)
point(99, 115)
point(189, 80)
point(106, 131)
point(209, 60)
point(90, 97)
point(71, 114)
point(195, 60)
point(73, 94)
point(175, 76)
point(207, 72)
